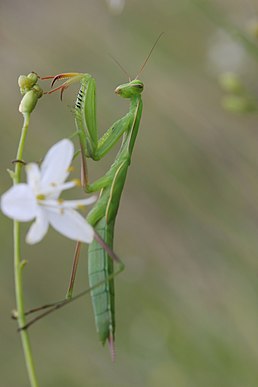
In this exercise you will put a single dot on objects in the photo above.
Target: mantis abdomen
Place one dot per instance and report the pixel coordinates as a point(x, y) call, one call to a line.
point(100, 267)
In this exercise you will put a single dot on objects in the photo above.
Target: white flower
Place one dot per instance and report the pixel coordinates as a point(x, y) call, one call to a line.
point(39, 198)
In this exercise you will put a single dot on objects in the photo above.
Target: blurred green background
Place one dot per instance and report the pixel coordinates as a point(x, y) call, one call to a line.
point(187, 303)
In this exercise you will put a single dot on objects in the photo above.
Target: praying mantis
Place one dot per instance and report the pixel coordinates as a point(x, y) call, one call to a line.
point(103, 215)
point(110, 187)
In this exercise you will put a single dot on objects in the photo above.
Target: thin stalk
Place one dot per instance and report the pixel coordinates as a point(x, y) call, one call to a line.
point(74, 270)
point(19, 264)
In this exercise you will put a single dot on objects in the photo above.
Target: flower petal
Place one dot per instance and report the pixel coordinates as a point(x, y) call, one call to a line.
point(19, 203)
point(78, 203)
point(54, 169)
point(33, 176)
point(62, 204)
point(71, 224)
point(53, 191)
point(38, 229)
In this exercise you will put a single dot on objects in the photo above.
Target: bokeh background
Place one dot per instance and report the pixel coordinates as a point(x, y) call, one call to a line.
point(187, 303)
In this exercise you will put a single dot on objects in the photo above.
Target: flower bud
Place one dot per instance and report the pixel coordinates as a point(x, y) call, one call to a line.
point(30, 99)
point(27, 82)
point(33, 77)
point(231, 83)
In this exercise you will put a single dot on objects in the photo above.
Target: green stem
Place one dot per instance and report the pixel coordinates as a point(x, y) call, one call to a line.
point(19, 264)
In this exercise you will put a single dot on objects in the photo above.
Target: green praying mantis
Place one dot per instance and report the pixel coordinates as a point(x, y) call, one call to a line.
point(110, 187)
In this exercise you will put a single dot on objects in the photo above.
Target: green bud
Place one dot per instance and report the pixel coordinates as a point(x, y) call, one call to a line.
point(239, 104)
point(38, 90)
point(231, 83)
point(33, 77)
point(27, 82)
point(30, 99)
point(22, 82)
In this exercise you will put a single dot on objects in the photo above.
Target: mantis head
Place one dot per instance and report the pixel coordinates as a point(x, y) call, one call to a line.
point(130, 89)
point(135, 87)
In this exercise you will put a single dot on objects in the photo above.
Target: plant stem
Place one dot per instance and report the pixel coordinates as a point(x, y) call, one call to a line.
point(19, 264)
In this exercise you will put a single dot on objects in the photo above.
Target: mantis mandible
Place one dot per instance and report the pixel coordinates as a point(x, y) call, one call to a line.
point(103, 215)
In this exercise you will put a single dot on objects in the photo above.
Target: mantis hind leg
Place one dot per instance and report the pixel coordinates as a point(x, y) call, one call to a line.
point(49, 308)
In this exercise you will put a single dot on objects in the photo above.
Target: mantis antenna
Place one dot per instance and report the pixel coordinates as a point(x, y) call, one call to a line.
point(148, 57)
point(144, 63)
point(120, 66)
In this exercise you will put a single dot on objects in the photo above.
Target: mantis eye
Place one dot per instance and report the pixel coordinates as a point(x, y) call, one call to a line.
point(138, 86)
